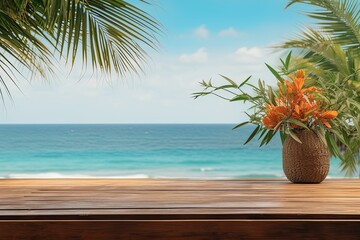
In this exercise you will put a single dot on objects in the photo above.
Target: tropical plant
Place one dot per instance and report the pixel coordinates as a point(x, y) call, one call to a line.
point(287, 110)
point(110, 35)
point(299, 103)
point(330, 51)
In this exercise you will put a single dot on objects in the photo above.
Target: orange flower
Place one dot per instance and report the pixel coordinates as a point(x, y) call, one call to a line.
point(299, 83)
point(274, 116)
point(323, 117)
point(300, 74)
point(312, 89)
point(297, 103)
point(302, 112)
point(299, 79)
point(329, 114)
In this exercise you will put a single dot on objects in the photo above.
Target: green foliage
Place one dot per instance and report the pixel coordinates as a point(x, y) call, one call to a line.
point(111, 35)
point(260, 97)
point(331, 52)
point(343, 138)
point(338, 18)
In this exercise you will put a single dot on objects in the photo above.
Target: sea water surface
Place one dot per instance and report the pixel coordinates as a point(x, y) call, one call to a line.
point(138, 151)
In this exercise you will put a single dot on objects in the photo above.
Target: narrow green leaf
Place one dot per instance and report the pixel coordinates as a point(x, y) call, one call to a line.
point(240, 125)
point(198, 94)
point(244, 82)
point(271, 95)
point(352, 102)
point(269, 135)
point(282, 136)
point(340, 137)
point(293, 135)
point(224, 87)
point(240, 97)
point(262, 133)
point(345, 136)
point(230, 81)
point(275, 73)
point(261, 87)
point(252, 135)
point(268, 139)
point(332, 145)
point(283, 63)
point(298, 123)
point(321, 133)
point(287, 61)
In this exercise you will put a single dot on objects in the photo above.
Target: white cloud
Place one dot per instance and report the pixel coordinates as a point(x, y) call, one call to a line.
point(245, 54)
point(200, 56)
point(201, 32)
point(252, 52)
point(229, 32)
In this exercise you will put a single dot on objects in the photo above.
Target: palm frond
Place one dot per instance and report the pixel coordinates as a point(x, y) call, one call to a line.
point(338, 18)
point(111, 35)
point(19, 47)
point(320, 50)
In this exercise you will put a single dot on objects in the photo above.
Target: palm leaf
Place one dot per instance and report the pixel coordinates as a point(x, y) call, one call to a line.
point(319, 50)
point(113, 36)
point(339, 18)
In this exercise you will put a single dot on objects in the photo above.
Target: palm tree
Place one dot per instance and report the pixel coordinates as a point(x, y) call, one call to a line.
point(331, 52)
point(335, 44)
point(113, 36)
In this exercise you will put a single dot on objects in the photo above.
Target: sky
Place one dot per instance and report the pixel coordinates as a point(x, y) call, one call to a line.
point(201, 39)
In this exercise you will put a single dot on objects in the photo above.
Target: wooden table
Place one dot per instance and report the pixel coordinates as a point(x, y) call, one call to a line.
point(178, 209)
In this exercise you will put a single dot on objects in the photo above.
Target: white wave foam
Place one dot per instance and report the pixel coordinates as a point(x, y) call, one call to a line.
point(60, 175)
point(206, 169)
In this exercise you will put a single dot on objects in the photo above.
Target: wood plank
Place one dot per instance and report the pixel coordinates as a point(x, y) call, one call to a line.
point(200, 196)
point(178, 209)
point(181, 230)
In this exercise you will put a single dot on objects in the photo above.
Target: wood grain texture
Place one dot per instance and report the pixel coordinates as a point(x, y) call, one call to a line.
point(178, 209)
point(169, 230)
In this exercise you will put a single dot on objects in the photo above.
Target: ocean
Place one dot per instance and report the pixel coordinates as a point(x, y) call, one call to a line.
point(138, 151)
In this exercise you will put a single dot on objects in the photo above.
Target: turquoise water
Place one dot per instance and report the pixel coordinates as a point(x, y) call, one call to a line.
point(137, 150)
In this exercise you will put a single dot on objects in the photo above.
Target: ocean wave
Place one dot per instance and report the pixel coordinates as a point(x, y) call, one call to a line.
point(62, 175)
point(207, 169)
point(261, 175)
point(143, 176)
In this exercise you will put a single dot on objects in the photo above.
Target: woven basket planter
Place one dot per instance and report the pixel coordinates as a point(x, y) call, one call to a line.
point(308, 162)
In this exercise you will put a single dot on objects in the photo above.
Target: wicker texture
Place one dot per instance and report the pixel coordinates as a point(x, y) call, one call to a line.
point(308, 162)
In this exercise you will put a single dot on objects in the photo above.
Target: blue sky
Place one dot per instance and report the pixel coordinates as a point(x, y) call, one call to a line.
point(201, 39)
point(258, 21)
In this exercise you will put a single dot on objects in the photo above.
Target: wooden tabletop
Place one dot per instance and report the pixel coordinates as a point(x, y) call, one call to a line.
point(177, 199)
point(178, 209)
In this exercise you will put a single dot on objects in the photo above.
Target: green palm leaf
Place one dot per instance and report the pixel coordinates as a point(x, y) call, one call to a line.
point(339, 18)
point(113, 36)
point(319, 50)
